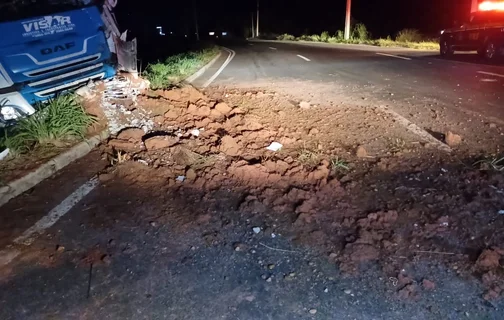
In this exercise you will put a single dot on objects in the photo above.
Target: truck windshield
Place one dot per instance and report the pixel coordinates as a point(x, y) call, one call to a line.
point(12, 10)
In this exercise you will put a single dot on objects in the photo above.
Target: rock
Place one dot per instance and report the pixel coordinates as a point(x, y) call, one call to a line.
point(256, 230)
point(304, 105)
point(269, 279)
point(282, 113)
point(131, 134)
point(313, 131)
point(229, 146)
point(85, 92)
point(122, 145)
point(106, 259)
point(428, 285)
point(60, 248)
point(452, 139)
point(191, 175)
point(361, 152)
point(160, 142)
point(492, 125)
point(313, 311)
point(488, 260)
point(173, 95)
point(223, 108)
point(239, 247)
point(271, 266)
point(192, 109)
point(347, 291)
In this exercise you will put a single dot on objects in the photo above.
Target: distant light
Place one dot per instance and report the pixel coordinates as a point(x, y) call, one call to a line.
point(161, 33)
point(491, 6)
point(211, 33)
point(224, 33)
point(171, 32)
point(186, 35)
point(442, 31)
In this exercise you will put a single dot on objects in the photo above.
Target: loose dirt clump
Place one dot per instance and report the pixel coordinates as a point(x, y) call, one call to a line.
point(337, 184)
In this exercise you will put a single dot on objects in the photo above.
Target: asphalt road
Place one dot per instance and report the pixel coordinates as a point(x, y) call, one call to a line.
point(108, 258)
point(394, 76)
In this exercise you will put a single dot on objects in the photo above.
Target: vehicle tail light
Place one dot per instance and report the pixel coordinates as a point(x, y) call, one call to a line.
point(491, 6)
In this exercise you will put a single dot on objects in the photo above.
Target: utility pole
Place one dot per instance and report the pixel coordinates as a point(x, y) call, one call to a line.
point(196, 27)
point(257, 23)
point(253, 27)
point(348, 19)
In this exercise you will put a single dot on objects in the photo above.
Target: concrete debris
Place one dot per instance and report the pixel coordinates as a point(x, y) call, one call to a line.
point(181, 178)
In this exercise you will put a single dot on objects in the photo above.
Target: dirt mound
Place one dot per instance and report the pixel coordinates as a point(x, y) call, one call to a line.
point(365, 201)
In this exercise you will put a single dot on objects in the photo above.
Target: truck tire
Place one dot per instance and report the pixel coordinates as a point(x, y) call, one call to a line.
point(445, 48)
point(490, 53)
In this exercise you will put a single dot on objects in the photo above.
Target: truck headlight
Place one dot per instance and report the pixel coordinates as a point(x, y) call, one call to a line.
point(13, 106)
point(442, 32)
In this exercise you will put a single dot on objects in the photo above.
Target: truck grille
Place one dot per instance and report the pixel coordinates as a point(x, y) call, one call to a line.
point(63, 66)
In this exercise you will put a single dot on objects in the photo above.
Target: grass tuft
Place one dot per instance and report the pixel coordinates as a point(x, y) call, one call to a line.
point(58, 121)
point(495, 164)
point(308, 157)
point(339, 165)
point(174, 69)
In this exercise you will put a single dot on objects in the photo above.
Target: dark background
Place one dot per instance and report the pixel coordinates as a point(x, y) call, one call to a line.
point(382, 17)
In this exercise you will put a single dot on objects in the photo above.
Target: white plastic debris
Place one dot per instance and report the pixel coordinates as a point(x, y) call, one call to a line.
point(195, 132)
point(4, 154)
point(501, 211)
point(181, 178)
point(275, 146)
point(256, 230)
point(273, 235)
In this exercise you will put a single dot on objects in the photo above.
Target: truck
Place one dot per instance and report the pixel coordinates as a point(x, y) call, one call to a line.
point(483, 33)
point(46, 50)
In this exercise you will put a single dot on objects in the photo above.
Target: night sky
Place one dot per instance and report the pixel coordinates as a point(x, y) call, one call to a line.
point(382, 17)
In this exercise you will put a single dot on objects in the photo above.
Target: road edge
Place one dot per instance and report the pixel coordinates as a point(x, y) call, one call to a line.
point(200, 72)
point(349, 46)
point(25, 183)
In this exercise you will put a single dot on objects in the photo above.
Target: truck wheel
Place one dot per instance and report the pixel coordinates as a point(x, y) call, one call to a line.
point(490, 52)
point(446, 49)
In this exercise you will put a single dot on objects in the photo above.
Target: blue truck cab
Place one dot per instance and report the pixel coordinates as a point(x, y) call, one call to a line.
point(41, 56)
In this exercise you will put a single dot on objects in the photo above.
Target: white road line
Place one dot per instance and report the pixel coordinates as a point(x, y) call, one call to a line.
point(228, 60)
point(392, 55)
point(55, 214)
point(491, 74)
point(304, 58)
point(273, 48)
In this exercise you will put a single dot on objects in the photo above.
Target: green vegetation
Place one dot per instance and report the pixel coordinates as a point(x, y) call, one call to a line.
point(339, 165)
point(407, 38)
point(178, 67)
point(308, 158)
point(58, 121)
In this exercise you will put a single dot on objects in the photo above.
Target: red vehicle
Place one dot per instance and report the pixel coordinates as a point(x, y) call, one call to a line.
point(483, 33)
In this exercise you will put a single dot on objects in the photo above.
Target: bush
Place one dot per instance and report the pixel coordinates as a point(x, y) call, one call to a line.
point(175, 68)
point(324, 36)
point(61, 119)
point(315, 37)
point(304, 37)
point(286, 36)
point(340, 34)
point(360, 32)
point(409, 35)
